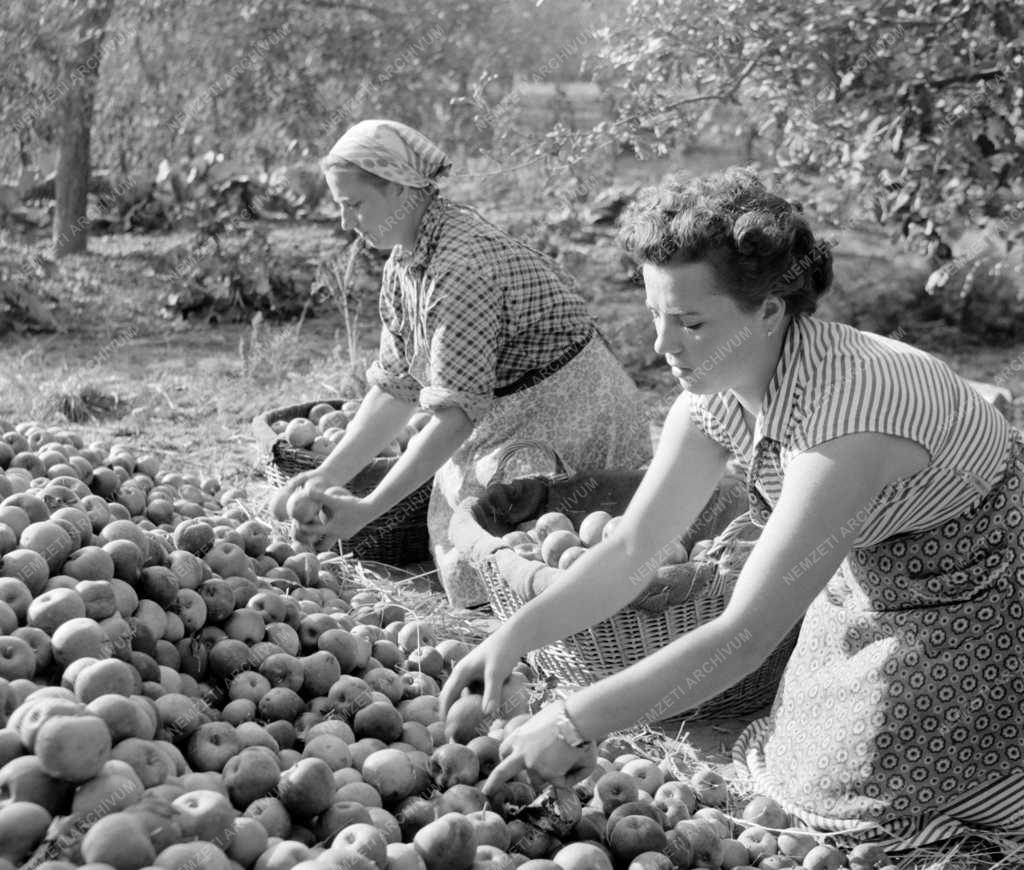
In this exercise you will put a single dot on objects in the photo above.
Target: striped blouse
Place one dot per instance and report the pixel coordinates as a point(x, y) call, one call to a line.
point(834, 380)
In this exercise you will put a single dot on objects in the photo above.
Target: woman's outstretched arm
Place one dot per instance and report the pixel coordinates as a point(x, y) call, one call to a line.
point(678, 484)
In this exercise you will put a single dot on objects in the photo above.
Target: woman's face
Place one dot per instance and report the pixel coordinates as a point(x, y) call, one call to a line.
point(711, 344)
point(376, 212)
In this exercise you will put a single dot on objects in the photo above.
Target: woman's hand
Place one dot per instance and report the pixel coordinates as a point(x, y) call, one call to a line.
point(315, 480)
point(491, 663)
point(343, 516)
point(536, 748)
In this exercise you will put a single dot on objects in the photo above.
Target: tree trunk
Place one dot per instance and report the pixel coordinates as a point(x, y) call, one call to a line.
point(80, 74)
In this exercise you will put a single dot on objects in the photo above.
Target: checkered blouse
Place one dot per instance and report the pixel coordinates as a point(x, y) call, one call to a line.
point(470, 310)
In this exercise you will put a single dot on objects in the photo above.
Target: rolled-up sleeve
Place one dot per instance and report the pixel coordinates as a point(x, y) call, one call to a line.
point(464, 323)
point(390, 372)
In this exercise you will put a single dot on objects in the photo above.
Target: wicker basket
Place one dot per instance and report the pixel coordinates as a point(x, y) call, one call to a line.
point(397, 537)
point(633, 634)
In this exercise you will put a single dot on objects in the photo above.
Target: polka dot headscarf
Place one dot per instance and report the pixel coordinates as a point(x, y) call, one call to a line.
point(393, 151)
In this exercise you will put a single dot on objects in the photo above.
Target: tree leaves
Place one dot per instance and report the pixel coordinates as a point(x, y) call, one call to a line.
point(835, 91)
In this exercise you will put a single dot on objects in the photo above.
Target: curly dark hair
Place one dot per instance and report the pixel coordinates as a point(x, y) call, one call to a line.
point(758, 243)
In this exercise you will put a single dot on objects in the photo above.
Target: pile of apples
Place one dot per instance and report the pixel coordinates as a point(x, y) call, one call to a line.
point(325, 425)
point(553, 539)
point(181, 690)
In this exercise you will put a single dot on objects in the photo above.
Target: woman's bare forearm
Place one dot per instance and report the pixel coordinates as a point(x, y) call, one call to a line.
point(426, 453)
point(679, 677)
point(379, 420)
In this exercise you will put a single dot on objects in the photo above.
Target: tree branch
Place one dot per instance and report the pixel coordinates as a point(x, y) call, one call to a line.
point(920, 22)
point(746, 71)
point(356, 7)
point(967, 78)
point(930, 23)
point(723, 96)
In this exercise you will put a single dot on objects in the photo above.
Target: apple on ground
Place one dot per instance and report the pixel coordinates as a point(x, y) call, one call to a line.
point(765, 812)
point(306, 788)
point(403, 856)
point(634, 808)
point(447, 843)
point(824, 857)
point(717, 819)
point(648, 775)
point(635, 834)
point(453, 763)
point(866, 856)
point(710, 788)
point(734, 854)
point(583, 856)
point(759, 842)
point(211, 813)
point(704, 843)
point(651, 861)
point(795, 845)
point(616, 788)
point(365, 839)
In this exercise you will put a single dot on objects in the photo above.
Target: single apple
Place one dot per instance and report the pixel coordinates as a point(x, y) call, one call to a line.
point(447, 843)
point(307, 788)
point(717, 819)
point(454, 763)
point(633, 834)
point(765, 812)
point(710, 788)
point(824, 857)
point(365, 839)
point(679, 791)
point(759, 842)
point(616, 788)
point(705, 845)
point(583, 856)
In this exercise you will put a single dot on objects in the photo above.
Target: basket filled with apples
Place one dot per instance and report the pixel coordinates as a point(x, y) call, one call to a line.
point(523, 535)
point(297, 438)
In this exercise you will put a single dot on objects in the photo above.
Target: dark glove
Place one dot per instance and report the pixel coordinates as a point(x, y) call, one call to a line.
point(503, 506)
point(586, 492)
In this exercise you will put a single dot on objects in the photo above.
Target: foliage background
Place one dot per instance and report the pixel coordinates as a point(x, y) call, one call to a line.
point(900, 118)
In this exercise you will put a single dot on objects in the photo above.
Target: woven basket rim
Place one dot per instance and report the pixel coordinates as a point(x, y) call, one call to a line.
point(398, 536)
point(276, 453)
point(261, 422)
point(632, 634)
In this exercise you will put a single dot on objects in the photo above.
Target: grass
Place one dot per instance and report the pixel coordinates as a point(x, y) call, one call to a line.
point(187, 392)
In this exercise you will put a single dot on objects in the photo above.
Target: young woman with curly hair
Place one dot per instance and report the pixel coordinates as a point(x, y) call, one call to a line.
point(891, 497)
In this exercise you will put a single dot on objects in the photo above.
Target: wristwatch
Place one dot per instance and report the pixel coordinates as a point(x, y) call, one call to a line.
point(565, 728)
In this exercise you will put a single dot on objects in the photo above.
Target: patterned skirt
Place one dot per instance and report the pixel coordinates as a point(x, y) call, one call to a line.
point(589, 411)
point(900, 717)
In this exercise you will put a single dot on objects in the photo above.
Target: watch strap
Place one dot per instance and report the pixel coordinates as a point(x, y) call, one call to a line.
point(566, 729)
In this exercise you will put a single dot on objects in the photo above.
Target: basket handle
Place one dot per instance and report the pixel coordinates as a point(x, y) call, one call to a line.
point(514, 447)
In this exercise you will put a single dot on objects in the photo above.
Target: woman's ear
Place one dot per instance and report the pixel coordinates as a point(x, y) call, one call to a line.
point(407, 196)
point(773, 313)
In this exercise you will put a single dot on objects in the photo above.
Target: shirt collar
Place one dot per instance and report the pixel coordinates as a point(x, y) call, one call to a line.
point(426, 235)
point(784, 388)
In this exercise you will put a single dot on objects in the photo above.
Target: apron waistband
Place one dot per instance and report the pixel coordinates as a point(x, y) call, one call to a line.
point(535, 376)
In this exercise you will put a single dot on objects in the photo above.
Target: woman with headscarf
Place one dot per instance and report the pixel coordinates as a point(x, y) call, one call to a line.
point(482, 331)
